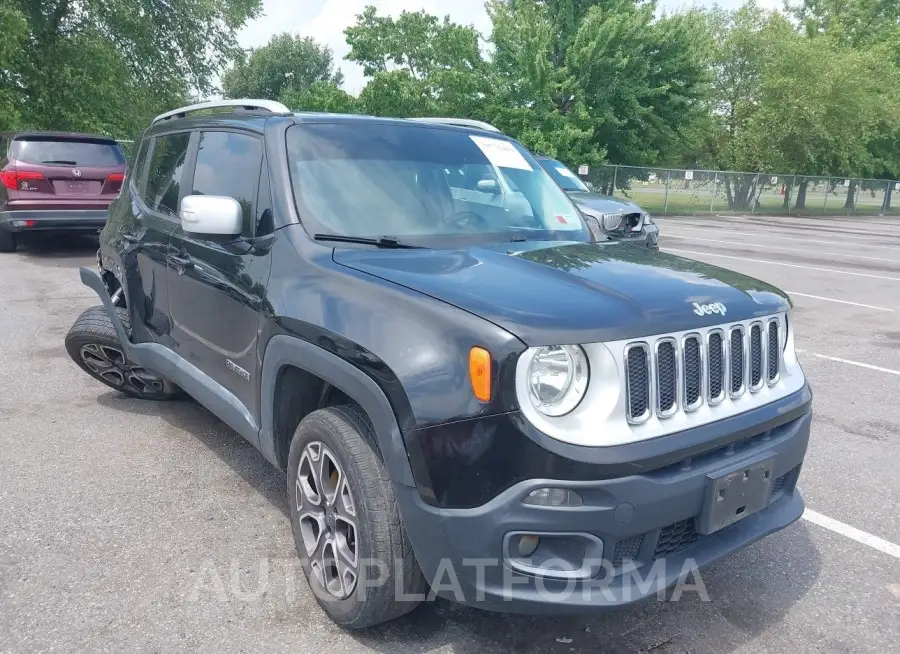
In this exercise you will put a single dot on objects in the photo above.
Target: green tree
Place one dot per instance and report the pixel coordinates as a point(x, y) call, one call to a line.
point(108, 65)
point(321, 96)
point(15, 34)
point(744, 43)
point(287, 64)
point(790, 103)
point(644, 80)
point(821, 107)
point(855, 23)
point(607, 74)
point(862, 25)
point(533, 96)
point(419, 65)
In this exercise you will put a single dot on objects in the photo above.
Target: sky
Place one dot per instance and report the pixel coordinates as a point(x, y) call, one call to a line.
point(326, 20)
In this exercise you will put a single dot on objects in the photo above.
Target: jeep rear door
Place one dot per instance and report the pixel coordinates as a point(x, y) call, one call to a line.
point(141, 228)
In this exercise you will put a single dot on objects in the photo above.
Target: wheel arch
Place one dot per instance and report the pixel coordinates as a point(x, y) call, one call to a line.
point(283, 353)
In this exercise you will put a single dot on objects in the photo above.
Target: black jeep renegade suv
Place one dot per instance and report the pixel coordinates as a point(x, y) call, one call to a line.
point(466, 388)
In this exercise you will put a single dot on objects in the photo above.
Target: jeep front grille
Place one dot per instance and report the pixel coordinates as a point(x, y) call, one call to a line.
point(637, 360)
point(756, 358)
point(716, 343)
point(772, 370)
point(664, 376)
point(736, 361)
point(693, 371)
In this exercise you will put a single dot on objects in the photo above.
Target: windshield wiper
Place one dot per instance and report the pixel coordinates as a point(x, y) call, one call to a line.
point(388, 242)
point(61, 161)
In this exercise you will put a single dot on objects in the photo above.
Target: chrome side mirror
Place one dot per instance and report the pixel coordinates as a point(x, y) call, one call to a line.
point(217, 215)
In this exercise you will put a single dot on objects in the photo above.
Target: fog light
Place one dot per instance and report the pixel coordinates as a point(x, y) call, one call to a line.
point(553, 497)
point(23, 223)
point(528, 544)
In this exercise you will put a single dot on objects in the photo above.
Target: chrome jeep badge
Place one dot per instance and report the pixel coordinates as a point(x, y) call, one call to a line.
point(707, 309)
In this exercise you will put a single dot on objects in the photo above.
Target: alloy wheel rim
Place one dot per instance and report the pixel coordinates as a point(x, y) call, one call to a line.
point(326, 513)
point(111, 365)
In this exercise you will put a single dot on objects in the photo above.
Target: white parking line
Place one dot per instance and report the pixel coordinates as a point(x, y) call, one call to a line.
point(831, 299)
point(853, 533)
point(860, 226)
point(849, 362)
point(776, 247)
point(838, 238)
point(789, 265)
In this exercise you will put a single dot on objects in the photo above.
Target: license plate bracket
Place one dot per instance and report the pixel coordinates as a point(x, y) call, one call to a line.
point(736, 493)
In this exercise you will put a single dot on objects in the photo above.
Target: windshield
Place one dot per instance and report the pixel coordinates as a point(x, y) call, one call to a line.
point(416, 182)
point(563, 176)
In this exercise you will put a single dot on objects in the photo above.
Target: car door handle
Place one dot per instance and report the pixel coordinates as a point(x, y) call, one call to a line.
point(182, 262)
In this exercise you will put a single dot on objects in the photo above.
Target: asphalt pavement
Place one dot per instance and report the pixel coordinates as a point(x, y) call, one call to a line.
point(130, 525)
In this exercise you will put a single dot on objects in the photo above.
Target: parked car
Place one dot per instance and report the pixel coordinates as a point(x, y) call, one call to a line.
point(485, 399)
point(621, 219)
point(56, 182)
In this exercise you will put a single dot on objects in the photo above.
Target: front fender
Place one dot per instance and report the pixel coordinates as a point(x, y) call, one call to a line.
point(282, 350)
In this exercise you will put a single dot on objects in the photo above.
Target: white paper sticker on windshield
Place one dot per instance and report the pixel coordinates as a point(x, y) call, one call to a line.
point(565, 171)
point(501, 153)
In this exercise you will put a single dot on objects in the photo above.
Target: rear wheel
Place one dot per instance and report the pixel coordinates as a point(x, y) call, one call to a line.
point(352, 545)
point(7, 241)
point(93, 344)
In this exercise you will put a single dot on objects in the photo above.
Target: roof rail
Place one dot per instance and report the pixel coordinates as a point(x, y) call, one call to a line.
point(267, 105)
point(460, 122)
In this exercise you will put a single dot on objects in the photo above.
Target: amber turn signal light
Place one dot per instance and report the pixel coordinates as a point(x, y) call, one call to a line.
point(480, 373)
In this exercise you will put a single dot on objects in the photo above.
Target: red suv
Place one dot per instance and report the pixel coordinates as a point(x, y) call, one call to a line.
point(56, 182)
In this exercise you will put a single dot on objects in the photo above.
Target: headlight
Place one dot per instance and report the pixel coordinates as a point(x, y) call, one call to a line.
point(557, 378)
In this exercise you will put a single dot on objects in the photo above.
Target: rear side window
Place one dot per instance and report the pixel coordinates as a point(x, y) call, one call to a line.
point(165, 172)
point(228, 164)
point(60, 151)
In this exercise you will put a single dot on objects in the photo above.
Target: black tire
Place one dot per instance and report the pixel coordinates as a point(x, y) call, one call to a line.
point(7, 241)
point(92, 343)
point(380, 536)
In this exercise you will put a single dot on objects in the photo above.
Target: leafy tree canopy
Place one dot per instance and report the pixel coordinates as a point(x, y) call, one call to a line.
point(288, 63)
point(108, 65)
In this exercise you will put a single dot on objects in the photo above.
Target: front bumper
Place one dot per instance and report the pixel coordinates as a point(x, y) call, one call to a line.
point(647, 523)
point(56, 220)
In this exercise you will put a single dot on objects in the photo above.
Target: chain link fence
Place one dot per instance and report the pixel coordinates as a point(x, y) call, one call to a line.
point(688, 192)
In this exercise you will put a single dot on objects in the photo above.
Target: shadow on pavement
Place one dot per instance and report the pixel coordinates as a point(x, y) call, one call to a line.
point(188, 415)
point(47, 249)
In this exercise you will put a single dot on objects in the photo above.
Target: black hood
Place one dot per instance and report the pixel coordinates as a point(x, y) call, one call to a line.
point(560, 293)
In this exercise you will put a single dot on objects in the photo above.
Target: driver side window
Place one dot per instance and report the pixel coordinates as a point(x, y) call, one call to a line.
point(229, 164)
